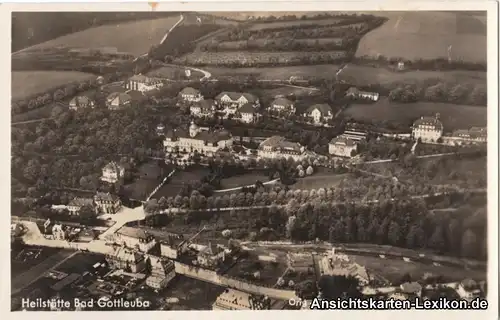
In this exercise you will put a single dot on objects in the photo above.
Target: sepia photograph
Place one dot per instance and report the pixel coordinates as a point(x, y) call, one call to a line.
point(246, 160)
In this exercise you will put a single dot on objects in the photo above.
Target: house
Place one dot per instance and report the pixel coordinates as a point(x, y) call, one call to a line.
point(468, 289)
point(107, 203)
point(77, 204)
point(124, 258)
point(81, 102)
point(59, 232)
point(232, 299)
point(211, 255)
point(196, 139)
point(355, 93)
point(203, 108)
point(173, 247)
point(236, 99)
point(411, 289)
point(247, 113)
point(470, 136)
point(142, 83)
point(162, 272)
point(342, 147)
point(113, 172)
point(190, 94)
point(278, 147)
point(135, 238)
point(282, 106)
point(427, 129)
point(319, 113)
point(118, 100)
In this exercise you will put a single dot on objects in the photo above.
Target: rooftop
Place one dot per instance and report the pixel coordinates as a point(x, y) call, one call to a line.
point(134, 233)
point(113, 166)
point(80, 101)
point(190, 91)
point(322, 107)
point(282, 102)
point(280, 142)
point(247, 108)
point(127, 255)
point(80, 202)
point(237, 95)
point(121, 96)
point(343, 141)
point(105, 196)
point(429, 121)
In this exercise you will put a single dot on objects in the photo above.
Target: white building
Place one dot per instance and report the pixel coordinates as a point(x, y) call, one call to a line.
point(319, 113)
point(211, 255)
point(247, 113)
point(468, 289)
point(236, 99)
point(81, 102)
point(162, 272)
point(124, 258)
point(75, 205)
point(342, 147)
point(197, 140)
point(107, 203)
point(190, 94)
point(232, 299)
point(282, 106)
point(173, 247)
point(473, 135)
point(59, 232)
point(203, 108)
point(135, 238)
point(340, 265)
point(142, 83)
point(428, 129)
point(118, 100)
point(278, 147)
point(112, 172)
point(354, 93)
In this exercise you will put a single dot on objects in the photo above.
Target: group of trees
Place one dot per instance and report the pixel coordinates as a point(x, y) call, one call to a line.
point(440, 92)
point(439, 64)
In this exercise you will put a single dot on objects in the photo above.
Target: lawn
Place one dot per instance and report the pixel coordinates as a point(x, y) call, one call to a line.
point(280, 73)
point(140, 189)
point(134, 37)
point(320, 180)
point(366, 75)
point(174, 72)
point(80, 263)
point(404, 34)
point(243, 180)
point(453, 116)
point(178, 179)
point(394, 269)
point(28, 83)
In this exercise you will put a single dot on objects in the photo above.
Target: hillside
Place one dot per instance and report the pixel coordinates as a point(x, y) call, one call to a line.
point(428, 35)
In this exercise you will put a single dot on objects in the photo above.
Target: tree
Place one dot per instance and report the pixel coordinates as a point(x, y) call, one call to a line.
point(394, 233)
point(292, 207)
point(309, 171)
point(470, 245)
point(86, 213)
point(334, 287)
point(437, 241)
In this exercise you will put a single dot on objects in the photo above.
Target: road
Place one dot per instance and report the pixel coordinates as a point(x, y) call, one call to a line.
point(419, 157)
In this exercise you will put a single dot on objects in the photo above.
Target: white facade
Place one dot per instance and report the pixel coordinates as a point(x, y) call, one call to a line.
point(112, 172)
point(143, 84)
point(191, 95)
point(247, 117)
point(342, 147)
point(277, 147)
point(135, 239)
point(427, 129)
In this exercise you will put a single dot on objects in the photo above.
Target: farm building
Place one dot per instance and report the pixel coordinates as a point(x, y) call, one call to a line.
point(278, 147)
point(142, 83)
point(428, 129)
point(191, 94)
point(282, 106)
point(81, 102)
point(319, 113)
point(197, 139)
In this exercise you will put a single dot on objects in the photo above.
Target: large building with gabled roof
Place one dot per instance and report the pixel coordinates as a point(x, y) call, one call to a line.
point(428, 129)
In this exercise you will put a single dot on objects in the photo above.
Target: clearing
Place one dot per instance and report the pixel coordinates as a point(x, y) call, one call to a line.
point(178, 180)
point(404, 33)
point(134, 37)
point(366, 75)
point(453, 116)
point(243, 180)
point(174, 72)
point(28, 83)
point(319, 180)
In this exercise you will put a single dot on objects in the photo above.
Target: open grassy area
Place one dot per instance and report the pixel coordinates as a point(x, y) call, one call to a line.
point(404, 33)
point(320, 180)
point(27, 83)
point(243, 180)
point(174, 72)
point(141, 188)
point(80, 263)
point(280, 73)
point(21, 262)
point(134, 37)
point(394, 269)
point(180, 178)
point(366, 75)
point(453, 116)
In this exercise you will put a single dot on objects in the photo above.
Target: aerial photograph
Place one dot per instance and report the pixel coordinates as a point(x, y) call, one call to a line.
point(247, 160)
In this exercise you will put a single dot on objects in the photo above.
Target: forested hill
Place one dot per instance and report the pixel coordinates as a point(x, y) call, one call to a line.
point(30, 28)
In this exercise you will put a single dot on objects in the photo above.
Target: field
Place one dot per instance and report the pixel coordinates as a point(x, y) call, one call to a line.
point(20, 265)
point(262, 44)
point(242, 16)
point(453, 116)
point(279, 73)
point(249, 58)
point(174, 72)
point(319, 180)
point(394, 269)
point(140, 189)
point(135, 37)
point(294, 23)
point(27, 83)
point(366, 75)
point(243, 180)
point(427, 35)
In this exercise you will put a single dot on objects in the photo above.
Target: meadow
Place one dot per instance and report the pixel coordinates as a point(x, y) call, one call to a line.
point(427, 35)
point(453, 116)
point(28, 83)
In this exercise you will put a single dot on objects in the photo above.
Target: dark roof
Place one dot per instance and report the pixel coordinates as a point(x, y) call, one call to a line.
point(429, 121)
point(282, 102)
point(211, 249)
point(134, 233)
point(122, 97)
point(144, 79)
point(204, 104)
point(102, 196)
point(469, 284)
point(208, 136)
point(247, 108)
point(80, 101)
point(81, 202)
point(190, 91)
point(136, 95)
point(323, 108)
